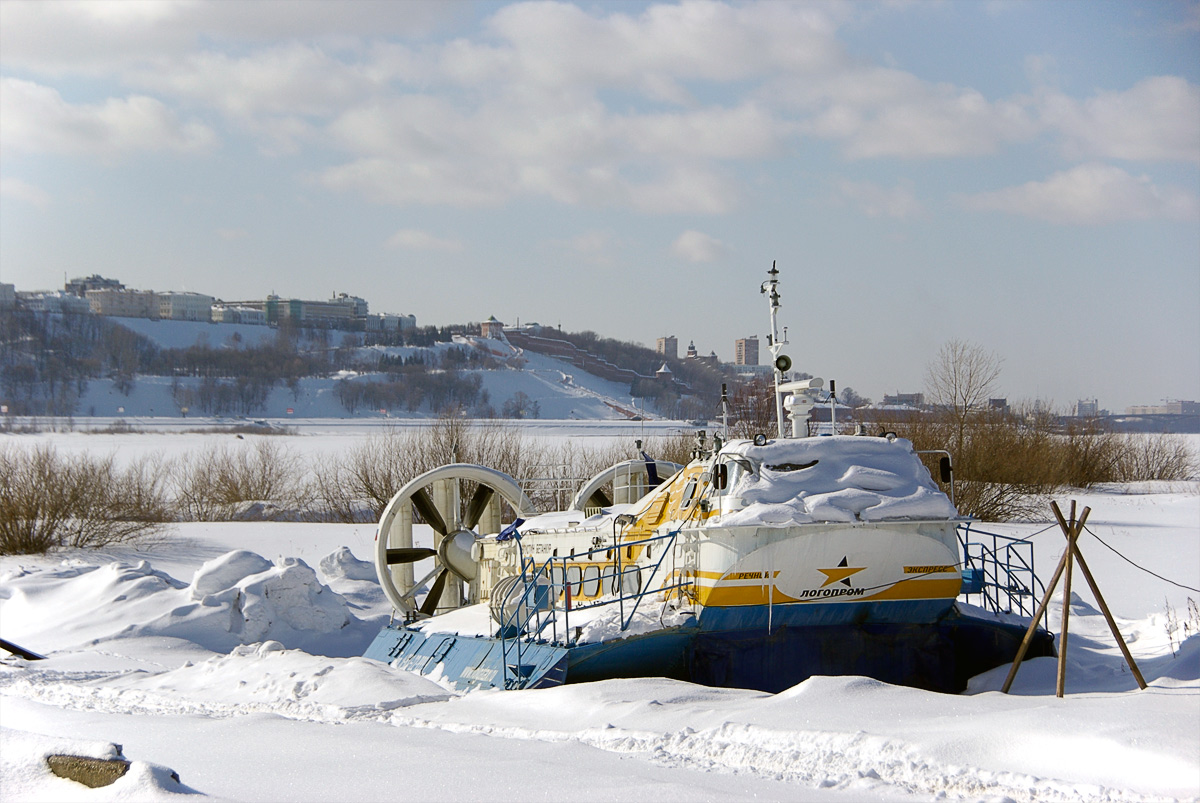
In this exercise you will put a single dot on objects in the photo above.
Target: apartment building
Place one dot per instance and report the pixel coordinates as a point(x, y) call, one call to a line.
point(340, 312)
point(185, 306)
point(236, 313)
point(745, 351)
point(124, 303)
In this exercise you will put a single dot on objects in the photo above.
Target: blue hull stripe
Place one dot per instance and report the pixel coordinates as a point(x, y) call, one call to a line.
point(759, 617)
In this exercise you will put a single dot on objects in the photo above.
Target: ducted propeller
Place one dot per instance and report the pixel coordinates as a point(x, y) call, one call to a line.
point(454, 536)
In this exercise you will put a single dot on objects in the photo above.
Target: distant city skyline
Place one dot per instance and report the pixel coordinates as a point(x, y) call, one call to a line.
point(1024, 176)
point(744, 350)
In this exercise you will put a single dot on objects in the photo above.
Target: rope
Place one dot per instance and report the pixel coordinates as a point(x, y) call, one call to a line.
point(1136, 566)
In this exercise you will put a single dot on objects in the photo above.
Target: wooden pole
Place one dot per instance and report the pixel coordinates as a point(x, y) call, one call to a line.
point(1053, 584)
point(1025, 642)
point(1071, 532)
point(1112, 625)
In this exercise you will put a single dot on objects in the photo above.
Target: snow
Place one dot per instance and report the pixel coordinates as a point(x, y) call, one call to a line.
point(838, 478)
point(228, 654)
point(169, 334)
point(561, 390)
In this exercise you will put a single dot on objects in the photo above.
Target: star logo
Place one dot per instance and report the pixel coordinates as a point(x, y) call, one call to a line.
point(843, 572)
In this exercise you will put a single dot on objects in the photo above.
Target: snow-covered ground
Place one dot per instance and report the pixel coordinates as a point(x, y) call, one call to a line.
point(560, 389)
point(227, 653)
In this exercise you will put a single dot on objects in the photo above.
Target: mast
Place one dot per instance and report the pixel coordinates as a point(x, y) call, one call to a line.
point(771, 289)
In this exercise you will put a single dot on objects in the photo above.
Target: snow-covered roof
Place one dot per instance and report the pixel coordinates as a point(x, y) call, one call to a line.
point(836, 478)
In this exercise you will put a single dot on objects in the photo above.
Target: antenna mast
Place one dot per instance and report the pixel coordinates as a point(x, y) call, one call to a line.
point(771, 289)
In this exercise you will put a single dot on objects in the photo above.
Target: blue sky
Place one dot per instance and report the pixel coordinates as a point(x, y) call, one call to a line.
point(1025, 176)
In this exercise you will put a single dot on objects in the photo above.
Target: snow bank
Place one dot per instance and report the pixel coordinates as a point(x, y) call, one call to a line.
point(237, 598)
point(266, 601)
point(837, 478)
point(268, 677)
point(343, 564)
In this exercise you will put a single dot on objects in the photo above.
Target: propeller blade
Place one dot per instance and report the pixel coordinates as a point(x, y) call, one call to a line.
point(598, 499)
point(429, 511)
point(435, 594)
point(479, 502)
point(409, 554)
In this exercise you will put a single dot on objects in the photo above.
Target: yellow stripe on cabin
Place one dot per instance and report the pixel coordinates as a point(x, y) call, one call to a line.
point(731, 596)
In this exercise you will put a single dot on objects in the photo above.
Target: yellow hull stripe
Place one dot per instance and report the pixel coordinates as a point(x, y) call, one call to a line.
point(924, 588)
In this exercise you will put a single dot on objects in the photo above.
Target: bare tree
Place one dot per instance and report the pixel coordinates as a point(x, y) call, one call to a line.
point(960, 380)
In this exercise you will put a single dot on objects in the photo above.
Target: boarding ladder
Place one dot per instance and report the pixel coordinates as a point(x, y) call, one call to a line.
point(998, 571)
point(687, 570)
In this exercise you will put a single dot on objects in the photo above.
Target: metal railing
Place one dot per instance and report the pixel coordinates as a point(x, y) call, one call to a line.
point(539, 599)
point(998, 571)
point(551, 486)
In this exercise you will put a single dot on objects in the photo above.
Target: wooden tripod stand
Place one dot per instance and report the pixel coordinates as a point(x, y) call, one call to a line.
point(1071, 530)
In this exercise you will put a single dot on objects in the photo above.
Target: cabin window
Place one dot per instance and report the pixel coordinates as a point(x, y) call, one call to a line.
point(574, 575)
point(631, 581)
point(591, 581)
point(556, 577)
point(628, 553)
point(689, 492)
point(792, 466)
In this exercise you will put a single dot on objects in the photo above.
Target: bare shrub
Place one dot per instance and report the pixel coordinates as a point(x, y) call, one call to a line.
point(1007, 466)
point(219, 484)
point(330, 494)
point(48, 501)
point(752, 408)
point(1157, 457)
point(359, 485)
point(1004, 469)
point(674, 448)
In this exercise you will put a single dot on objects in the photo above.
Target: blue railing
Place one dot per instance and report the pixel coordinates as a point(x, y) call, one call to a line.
point(531, 604)
point(998, 570)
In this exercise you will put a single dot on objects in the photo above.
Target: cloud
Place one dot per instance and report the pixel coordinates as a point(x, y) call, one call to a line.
point(661, 109)
point(595, 248)
point(559, 44)
point(36, 118)
point(695, 246)
point(417, 240)
point(1090, 194)
point(883, 112)
point(415, 182)
point(20, 190)
point(97, 37)
point(423, 149)
point(748, 131)
point(876, 201)
point(292, 79)
point(1158, 119)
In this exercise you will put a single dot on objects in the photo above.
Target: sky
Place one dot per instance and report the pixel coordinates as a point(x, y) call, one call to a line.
point(1021, 176)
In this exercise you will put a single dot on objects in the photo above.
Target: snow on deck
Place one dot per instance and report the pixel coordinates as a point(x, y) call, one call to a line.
point(839, 478)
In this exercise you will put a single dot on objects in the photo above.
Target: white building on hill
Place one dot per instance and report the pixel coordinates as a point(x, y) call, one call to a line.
point(185, 306)
point(223, 313)
point(124, 303)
